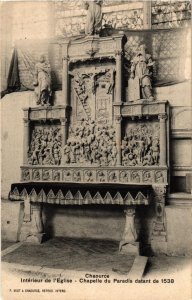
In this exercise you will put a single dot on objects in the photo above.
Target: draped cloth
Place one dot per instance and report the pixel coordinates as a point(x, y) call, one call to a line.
point(13, 80)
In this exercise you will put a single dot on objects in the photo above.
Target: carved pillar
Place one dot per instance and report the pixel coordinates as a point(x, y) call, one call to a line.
point(64, 130)
point(147, 14)
point(118, 138)
point(159, 236)
point(32, 227)
point(65, 81)
point(163, 144)
point(118, 81)
point(26, 141)
point(129, 242)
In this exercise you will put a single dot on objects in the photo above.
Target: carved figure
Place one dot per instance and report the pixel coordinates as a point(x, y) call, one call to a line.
point(140, 146)
point(56, 155)
point(45, 147)
point(26, 175)
point(147, 176)
point(36, 175)
point(101, 176)
point(123, 176)
point(68, 176)
point(155, 150)
point(140, 77)
point(42, 81)
point(77, 176)
point(66, 151)
point(56, 175)
point(94, 17)
point(135, 177)
point(91, 144)
point(88, 176)
point(112, 177)
point(46, 175)
point(159, 177)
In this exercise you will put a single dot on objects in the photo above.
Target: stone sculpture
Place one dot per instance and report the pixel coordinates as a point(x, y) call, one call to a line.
point(91, 143)
point(42, 82)
point(45, 147)
point(139, 84)
point(94, 17)
point(140, 147)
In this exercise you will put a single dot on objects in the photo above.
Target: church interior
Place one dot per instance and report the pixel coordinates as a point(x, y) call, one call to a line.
point(96, 127)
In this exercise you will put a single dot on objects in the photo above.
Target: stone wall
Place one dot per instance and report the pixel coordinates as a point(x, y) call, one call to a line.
point(70, 17)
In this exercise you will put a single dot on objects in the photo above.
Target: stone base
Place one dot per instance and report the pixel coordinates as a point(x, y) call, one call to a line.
point(26, 236)
point(132, 249)
point(35, 239)
point(159, 245)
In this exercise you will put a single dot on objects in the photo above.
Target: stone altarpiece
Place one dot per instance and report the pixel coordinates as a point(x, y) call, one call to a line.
point(98, 147)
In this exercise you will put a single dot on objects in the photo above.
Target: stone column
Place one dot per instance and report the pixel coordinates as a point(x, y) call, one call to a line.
point(118, 81)
point(32, 227)
point(26, 140)
point(65, 81)
point(118, 138)
point(129, 241)
point(159, 235)
point(64, 130)
point(163, 139)
point(147, 14)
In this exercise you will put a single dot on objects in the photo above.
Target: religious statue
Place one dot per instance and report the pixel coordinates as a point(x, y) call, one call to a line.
point(42, 81)
point(139, 84)
point(94, 17)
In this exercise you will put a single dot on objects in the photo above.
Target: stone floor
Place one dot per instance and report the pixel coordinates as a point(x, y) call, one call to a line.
point(69, 258)
point(73, 254)
point(6, 244)
point(91, 255)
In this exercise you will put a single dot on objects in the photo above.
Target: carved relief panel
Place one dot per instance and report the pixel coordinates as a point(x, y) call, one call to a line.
point(45, 146)
point(90, 143)
point(92, 92)
point(140, 144)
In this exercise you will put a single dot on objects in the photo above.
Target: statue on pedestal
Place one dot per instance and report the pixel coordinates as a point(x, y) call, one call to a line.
point(42, 81)
point(94, 17)
point(139, 84)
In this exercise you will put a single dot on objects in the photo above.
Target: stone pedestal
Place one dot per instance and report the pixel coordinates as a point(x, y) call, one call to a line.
point(159, 233)
point(129, 243)
point(32, 229)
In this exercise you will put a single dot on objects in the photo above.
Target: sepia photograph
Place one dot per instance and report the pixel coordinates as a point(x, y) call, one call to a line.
point(96, 150)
